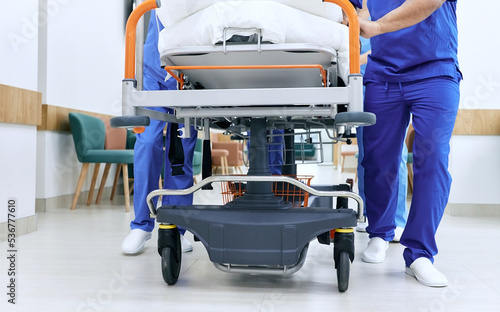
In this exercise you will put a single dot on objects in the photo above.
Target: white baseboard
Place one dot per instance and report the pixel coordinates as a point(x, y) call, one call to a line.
point(24, 225)
point(64, 201)
point(473, 210)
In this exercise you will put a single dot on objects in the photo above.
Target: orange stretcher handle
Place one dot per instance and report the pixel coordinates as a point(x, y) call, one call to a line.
point(354, 48)
point(130, 31)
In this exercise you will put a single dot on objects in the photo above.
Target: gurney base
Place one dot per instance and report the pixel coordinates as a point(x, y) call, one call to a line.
point(250, 237)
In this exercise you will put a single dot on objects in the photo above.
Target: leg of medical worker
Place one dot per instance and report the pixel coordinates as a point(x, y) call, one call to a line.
point(382, 145)
point(434, 105)
point(402, 211)
point(147, 167)
point(360, 168)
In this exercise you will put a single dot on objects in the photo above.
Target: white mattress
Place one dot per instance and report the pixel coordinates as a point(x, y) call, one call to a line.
point(280, 23)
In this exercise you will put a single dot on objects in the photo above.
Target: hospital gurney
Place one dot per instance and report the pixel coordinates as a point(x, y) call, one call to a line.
point(253, 86)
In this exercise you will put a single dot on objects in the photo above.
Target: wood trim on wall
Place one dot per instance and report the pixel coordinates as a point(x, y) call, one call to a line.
point(20, 106)
point(477, 122)
point(55, 118)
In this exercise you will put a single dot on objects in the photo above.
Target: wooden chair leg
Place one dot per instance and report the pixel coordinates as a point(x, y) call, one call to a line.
point(225, 170)
point(93, 183)
point(103, 182)
point(342, 164)
point(126, 191)
point(115, 181)
point(131, 186)
point(81, 179)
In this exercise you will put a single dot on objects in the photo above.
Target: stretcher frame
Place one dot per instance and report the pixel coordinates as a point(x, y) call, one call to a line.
point(300, 105)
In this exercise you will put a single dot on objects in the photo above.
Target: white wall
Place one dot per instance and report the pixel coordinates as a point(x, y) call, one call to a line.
point(19, 42)
point(478, 54)
point(476, 178)
point(85, 55)
point(18, 68)
point(84, 68)
point(18, 169)
point(474, 162)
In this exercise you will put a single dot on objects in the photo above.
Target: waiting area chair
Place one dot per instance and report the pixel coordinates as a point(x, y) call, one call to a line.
point(226, 153)
point(346, 150)
point(89, 136)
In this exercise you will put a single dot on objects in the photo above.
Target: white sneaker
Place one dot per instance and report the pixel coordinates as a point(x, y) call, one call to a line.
point(135, 241)
point(375, 252)
point(361, 227)
point(425, 273)
point(186, 245)
point(398, 231)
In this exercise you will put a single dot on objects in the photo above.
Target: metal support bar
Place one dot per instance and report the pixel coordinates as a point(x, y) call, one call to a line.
point(222, 178)
point(229, 268)
point(256, 112)
point(241, 97)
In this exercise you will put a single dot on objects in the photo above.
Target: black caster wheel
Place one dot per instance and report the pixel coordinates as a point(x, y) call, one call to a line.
point(343, 268)
point(170, 265)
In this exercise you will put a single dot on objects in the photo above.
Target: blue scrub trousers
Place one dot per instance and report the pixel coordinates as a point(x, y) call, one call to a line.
point(148, 158)
point(433, 104)
point(401, 211)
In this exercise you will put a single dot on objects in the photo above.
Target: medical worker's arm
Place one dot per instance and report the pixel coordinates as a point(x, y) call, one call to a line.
point(408, 14)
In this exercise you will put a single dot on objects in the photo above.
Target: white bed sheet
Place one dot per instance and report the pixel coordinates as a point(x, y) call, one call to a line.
point(279, 23)
point(173, 11)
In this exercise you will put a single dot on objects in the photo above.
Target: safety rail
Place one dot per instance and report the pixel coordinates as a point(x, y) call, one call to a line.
point(223, 178)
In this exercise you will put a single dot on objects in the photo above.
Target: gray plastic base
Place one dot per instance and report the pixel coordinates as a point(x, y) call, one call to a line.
point(267, 237)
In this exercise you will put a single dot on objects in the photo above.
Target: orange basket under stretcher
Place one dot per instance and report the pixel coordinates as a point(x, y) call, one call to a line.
point(289, 192)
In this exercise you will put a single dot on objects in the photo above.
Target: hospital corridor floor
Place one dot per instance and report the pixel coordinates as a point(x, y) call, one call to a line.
point(73, 262)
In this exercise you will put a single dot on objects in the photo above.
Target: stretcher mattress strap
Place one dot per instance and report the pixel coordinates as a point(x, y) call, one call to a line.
point(176, 151)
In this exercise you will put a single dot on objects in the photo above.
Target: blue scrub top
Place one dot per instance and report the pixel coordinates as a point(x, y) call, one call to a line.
point(152, 65)
point(427, 49)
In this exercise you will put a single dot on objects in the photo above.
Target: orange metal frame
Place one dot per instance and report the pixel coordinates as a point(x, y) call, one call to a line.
point(130, 31)
point(354, 46)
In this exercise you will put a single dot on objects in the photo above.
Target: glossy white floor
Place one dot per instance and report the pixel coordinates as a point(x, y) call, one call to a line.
point(74, 263)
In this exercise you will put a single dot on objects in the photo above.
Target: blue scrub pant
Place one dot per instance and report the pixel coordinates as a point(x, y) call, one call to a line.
point(401, 211)
point(433, 103)
point(276, 147)
point(148, 159)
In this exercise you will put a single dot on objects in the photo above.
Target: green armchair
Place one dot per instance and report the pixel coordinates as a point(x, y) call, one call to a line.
point(89, 135)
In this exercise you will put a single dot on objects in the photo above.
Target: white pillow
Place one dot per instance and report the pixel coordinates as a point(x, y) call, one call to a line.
point(173, 11)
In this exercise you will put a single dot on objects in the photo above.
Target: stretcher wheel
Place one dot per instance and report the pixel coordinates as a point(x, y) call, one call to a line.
point(343, 268)
point(170, 265)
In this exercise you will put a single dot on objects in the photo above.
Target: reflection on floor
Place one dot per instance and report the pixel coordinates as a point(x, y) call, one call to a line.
point(74, 263)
